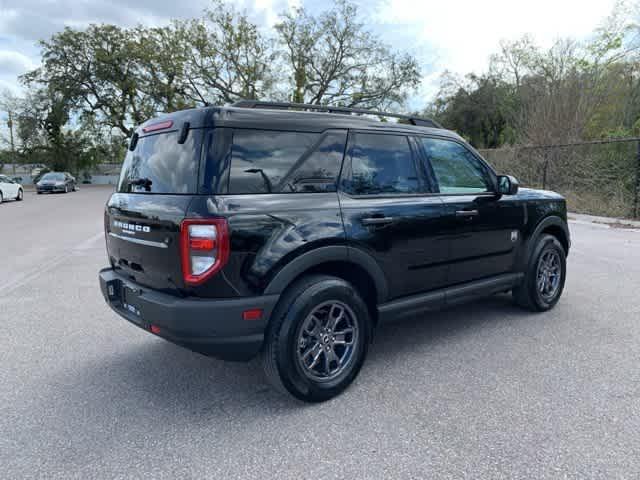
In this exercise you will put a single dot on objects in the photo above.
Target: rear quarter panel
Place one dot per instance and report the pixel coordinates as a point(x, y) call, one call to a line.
point(267, 232)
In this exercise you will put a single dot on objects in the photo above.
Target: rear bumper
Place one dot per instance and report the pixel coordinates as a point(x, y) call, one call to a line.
point(211, 327)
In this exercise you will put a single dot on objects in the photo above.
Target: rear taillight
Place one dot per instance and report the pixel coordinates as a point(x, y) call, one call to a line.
point(204, 244)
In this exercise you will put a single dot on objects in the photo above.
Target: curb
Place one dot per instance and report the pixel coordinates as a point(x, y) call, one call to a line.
point(608, 222)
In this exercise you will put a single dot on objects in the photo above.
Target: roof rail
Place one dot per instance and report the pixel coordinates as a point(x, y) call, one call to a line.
point(422, 122)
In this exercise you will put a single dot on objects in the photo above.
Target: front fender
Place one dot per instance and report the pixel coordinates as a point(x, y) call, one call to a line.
point(552, 221)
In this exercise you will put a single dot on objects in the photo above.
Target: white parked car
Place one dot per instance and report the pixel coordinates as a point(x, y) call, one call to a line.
point(10, 190)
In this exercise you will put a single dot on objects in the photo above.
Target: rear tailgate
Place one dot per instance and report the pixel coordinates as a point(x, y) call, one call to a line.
point(142, 221)
point(143, 237)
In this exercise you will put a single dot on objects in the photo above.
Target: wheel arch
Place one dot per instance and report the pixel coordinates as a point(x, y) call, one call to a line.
point(346, 262)
point(551, 225)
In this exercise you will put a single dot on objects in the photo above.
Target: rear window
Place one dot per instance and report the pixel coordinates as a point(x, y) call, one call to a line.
point(264, 161)
point(53, 176)
point(159, 164)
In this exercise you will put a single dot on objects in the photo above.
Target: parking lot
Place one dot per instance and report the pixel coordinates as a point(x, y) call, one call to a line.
point(481, 391)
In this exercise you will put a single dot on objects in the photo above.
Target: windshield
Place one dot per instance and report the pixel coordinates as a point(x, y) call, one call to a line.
point(54, 176)
point(159, 164)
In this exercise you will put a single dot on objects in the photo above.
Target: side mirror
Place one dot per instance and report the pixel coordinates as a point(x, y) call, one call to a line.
point(507, 185)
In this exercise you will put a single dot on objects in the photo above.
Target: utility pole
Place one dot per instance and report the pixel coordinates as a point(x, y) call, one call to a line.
point(636, 193)
point(13, 147)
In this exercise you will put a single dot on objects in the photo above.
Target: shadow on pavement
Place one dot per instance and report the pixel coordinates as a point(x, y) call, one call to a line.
point(173, 385)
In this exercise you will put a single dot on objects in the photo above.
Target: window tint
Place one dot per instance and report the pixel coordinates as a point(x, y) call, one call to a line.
point(381, 164)
point(318, 171)
point(456, 169)
point(53, 176)
point(169, 166)
point(285, 162)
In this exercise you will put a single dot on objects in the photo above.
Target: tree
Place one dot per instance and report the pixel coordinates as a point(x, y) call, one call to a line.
point(120, 77)
point(123, 75)
point(514, 60)
point(94, 71)
point(162, 56)
point(333, 60)
point(228, 57)
point(479, 107)
point(9, 106)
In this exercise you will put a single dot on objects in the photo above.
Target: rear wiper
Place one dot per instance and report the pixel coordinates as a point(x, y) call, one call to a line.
point(265, 179)
point(141, 182)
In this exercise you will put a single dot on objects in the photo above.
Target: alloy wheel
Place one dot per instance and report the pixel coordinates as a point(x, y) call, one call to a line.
point(549, 274)
point(327, 340)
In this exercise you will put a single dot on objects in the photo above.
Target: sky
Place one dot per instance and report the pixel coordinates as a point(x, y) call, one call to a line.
point(450, 35)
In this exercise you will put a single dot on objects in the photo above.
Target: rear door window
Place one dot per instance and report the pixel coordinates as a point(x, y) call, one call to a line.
point(264, 161)
point(159, 164)
point(380, 165)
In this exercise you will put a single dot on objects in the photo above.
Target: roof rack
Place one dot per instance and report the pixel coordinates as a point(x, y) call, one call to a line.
point(422, 122)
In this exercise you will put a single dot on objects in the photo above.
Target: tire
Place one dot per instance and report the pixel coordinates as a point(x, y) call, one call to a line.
point(291, 349)
point(39, 193)
point(532, 293)
point(1, 197)
point(20, 195)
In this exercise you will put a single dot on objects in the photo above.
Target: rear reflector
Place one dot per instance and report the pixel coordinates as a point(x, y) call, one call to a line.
point(154, 127)
point(204, 247)
point(155, 329)
point(202, 243)
point(254, 314)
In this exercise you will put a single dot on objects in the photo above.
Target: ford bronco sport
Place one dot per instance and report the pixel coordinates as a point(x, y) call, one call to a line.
point(292, 231)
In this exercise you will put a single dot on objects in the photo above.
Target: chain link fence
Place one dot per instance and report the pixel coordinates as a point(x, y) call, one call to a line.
point(598, 178)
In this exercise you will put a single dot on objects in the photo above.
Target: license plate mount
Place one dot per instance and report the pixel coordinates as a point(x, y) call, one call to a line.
point(130, 303)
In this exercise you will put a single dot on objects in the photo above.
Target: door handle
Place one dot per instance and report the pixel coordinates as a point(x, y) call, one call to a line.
point(377, 220)
point(467, 213)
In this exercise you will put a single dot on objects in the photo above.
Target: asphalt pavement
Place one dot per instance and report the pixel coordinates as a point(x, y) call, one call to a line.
point(484, 390)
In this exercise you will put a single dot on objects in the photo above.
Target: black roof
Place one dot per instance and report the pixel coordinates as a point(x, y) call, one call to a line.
point(281, 119)
point(410, 119)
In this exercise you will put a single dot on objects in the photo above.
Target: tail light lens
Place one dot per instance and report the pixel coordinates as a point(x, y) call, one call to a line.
point(204, 244)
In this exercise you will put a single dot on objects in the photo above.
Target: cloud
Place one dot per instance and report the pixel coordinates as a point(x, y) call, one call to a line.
point(458, 35)
point(465, 33)
point(14, 63)
point(25, 22)
point(35, 20)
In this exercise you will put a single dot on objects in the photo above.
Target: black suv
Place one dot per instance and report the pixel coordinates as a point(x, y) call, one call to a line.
point(292, 231)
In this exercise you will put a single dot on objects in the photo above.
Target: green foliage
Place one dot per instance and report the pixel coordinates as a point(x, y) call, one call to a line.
point(480, 108)
point(228, 57)
point(122, 75)
point(96, 84)
point(569, 92)
point(332, 59)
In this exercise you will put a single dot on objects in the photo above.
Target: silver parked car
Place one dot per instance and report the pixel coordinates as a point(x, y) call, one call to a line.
point(56, 182)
